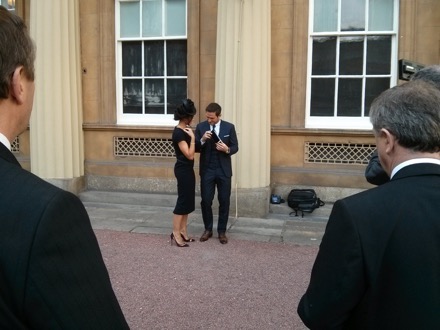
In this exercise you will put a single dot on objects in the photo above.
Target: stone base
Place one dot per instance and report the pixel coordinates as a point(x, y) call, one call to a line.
point(74, 185)
point(250, 203)
point(130, 184)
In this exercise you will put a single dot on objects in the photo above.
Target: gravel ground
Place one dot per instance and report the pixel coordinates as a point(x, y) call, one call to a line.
point(240, 285)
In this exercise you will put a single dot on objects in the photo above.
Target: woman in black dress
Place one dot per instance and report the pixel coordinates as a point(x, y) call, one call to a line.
point(184, 147)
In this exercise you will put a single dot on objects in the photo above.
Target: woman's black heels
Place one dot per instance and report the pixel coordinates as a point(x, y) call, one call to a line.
point(179, 245)
point(187, 239)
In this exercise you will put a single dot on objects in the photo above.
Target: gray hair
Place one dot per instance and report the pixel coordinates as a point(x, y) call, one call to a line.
point(411, 112)
point(430, 74)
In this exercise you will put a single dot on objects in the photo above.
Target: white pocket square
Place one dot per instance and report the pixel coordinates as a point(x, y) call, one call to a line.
point(225, 135)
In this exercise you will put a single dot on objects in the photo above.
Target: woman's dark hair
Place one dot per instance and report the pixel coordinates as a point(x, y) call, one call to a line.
point(185, 110)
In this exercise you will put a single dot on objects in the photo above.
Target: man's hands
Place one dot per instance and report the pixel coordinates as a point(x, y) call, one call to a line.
point(220, 146)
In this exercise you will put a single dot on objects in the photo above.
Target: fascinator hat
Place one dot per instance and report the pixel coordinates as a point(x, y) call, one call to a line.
point(185, 109)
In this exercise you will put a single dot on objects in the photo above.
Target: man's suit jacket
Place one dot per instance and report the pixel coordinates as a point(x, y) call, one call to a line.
point(229, 137)
point(52, 274)
point(378, 266)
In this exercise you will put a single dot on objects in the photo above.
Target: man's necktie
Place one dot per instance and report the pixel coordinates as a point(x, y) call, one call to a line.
point(213, 134)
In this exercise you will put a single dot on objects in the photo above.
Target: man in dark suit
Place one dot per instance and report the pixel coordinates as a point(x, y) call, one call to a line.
point(52, 274)
point(216, 140)
point(378, 266)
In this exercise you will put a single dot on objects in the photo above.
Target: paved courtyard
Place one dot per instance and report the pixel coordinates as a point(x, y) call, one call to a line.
point(244, 284)
point(253, 282)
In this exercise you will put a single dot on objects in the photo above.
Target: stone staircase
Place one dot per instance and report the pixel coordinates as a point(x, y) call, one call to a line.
point(276, 211)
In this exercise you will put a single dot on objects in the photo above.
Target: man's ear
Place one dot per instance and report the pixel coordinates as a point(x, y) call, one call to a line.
point(389, 140)
point(17, 87)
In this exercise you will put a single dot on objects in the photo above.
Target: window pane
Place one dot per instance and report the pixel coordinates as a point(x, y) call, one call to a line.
point(351, 55)
point(324, 56)
point(176, 91)
point(9, 5)
point(322, 97)
point(350, 97)
point(378, 55)
point(373, 87)
point(152, 18)
point(132, 96)
point(381, 14)
point(175, 17)
point(325, 16)
point(154, 96)
point(176, 58)
point(129, 17)
point(131, 59)
point(352, 15)
point(154, 58)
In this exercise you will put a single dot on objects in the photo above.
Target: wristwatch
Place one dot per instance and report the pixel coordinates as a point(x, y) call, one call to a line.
point(228, 151)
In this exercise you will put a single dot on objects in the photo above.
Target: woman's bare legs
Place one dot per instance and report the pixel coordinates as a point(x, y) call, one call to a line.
point(183, 226)
point(177, 225)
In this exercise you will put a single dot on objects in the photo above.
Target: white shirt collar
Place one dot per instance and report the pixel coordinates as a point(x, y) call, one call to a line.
point(217, 126)
point(5, 141)
point(414, 161)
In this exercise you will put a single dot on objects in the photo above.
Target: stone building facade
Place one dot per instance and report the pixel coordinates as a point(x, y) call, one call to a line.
point(258, 58)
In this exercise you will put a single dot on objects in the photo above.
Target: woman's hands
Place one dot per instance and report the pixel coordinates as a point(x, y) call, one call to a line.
point(190, 132)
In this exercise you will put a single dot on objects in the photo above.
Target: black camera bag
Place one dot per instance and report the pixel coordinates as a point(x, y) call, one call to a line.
point(304, 200)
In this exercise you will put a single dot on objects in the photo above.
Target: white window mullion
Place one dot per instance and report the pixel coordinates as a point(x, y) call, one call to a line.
point(338, 53)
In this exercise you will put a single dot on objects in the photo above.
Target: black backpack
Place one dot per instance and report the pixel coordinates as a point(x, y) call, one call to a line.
point(304, 200)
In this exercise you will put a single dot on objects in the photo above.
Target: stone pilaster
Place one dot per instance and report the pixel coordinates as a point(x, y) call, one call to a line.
point(243, 90)
point(56, 137)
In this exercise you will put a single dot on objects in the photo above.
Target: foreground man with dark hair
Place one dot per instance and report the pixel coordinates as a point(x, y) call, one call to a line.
point(52, 275)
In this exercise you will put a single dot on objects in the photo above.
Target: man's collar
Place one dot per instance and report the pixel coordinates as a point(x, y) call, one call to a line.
point(5, 141)
point(414, 161)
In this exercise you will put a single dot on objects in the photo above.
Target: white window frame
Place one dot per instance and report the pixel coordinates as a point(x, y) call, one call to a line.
point(335, 122)
point(139, 119)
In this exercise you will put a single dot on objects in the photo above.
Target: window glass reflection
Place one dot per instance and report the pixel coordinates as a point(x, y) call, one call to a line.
point(132, 96)
point(132, 59)
point(176, 58)
point(378, 54)
point(325, 15)
point(324, 55)
point(129, 18)
point(381, 14)
point(175, 17)
point(351, 55)
point(176, 91)
point(352, 15)
point(152, 18)
point(323, 97)
point(373, 87)
point(154, 58)
point(349, 97)
point(154, 96)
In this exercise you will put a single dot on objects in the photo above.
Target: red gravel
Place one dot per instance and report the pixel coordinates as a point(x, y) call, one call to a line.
point(240, 285)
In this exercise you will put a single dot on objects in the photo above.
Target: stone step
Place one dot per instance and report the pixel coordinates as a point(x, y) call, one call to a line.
point(128, 198)
point(276, 211)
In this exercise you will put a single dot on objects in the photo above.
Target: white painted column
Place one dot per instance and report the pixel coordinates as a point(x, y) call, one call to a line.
point(243, 90)
point(56, 137)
